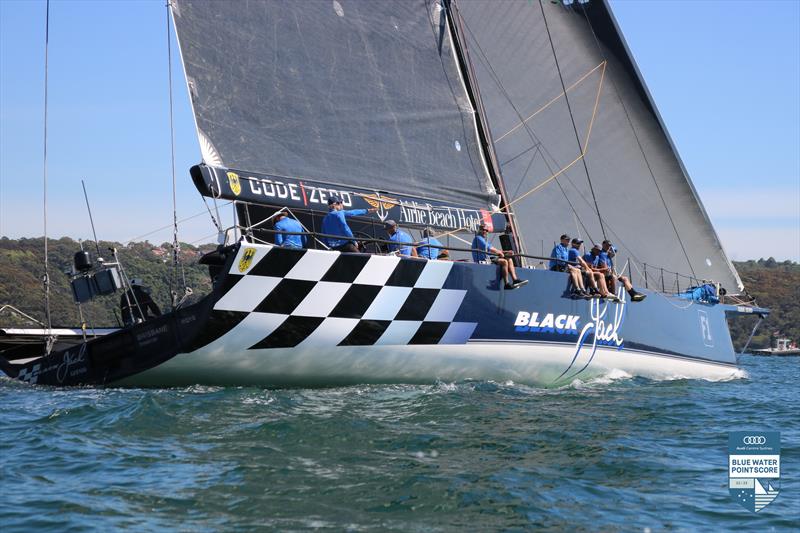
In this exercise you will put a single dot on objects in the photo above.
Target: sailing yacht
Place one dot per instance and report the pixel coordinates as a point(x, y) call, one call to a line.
point(529, 118)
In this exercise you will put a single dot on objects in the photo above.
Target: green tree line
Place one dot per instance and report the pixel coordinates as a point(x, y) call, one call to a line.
point(22, 271)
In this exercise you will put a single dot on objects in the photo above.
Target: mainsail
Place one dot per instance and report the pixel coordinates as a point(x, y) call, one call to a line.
point(601, 149)
point(356, 92)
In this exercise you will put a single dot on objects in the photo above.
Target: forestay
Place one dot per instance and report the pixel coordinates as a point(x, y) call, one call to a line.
point(350, 92)
point(648, 205)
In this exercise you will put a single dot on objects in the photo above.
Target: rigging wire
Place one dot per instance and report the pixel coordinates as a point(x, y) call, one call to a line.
point(46, 278)
point(572, 118)
point(638, 141)
point(167, 226)
point(176, 247)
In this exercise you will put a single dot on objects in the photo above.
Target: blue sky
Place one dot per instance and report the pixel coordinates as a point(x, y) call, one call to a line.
point(725, 76)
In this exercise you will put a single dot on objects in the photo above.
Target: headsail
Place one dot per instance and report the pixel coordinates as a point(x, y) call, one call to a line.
point(646, 201)
point(351, 92)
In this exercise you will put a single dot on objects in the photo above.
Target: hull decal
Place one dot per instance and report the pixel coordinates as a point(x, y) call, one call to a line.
point(602, 328)
point(366, 333)
point(322, 298)
point(291, 332)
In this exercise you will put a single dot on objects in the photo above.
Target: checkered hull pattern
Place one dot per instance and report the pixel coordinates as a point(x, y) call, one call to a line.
point(310, 298)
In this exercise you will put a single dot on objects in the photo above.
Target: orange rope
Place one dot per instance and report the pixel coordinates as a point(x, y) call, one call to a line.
point(585, 144)
point(545, 106)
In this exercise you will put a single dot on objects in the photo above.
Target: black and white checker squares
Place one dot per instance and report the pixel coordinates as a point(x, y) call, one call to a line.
point(322, 298)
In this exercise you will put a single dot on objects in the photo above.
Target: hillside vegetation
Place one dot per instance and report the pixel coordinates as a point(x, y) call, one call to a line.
point(774, 285)
point(22, 270)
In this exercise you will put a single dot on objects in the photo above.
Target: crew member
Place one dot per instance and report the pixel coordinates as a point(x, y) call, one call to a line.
point(558, 263)
point(402, 238)
point(290, 225)
point(136, 304)
point(335, 223)
point(587, 277)
point(481, 254)
point(607, 257)
point(431, 247)
point(598, 271)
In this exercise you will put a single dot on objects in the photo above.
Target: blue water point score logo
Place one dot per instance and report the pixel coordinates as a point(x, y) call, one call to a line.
point(754, 468)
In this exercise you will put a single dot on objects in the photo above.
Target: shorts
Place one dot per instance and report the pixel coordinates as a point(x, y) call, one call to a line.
point(559, 268)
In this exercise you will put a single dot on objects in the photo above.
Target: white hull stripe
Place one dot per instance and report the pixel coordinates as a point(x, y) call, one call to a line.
point(224, 362)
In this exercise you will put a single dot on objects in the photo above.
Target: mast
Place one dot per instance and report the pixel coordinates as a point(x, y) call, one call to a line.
point(484, 133)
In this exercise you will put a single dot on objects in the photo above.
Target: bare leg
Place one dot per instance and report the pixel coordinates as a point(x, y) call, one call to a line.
point(612, 286)
point(511, 269)
point(592, 280)
point(503, 264)
point(626, 282)
point(577, 279)
point(600, 279)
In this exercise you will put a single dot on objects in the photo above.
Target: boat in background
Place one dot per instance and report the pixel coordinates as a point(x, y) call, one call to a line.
point(444, 116)
point(783, 347)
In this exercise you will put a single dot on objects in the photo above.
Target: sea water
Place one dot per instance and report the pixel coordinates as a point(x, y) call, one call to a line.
point(616, 453)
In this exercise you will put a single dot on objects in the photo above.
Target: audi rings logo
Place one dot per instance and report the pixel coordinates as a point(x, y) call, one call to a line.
point(754, 439)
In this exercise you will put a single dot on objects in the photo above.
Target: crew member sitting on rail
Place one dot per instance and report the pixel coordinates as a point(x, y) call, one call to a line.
point(402, 238)
point(136, 304)
point(607, 257)
point(430, 247)
point(288, 224)
point(558, 263)
point(480, 254)
point(598, 270)
point(587, 277)
point(335, 223)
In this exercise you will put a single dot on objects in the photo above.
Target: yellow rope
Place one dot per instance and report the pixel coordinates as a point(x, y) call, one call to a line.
point(548, 104)
point(585, 144)
point(594, 111)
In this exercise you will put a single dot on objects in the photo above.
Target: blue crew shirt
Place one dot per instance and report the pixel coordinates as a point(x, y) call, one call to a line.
point(289, 241)
point(573, 255)
point(334, 223)
point(604, 258)
point(428, 250)
point(400, 237)
point(559, 255)
point(593, 260)
point(479, 243)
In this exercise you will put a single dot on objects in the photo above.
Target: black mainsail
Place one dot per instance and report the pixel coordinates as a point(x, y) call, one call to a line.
point(356, 92)
point(599, 161)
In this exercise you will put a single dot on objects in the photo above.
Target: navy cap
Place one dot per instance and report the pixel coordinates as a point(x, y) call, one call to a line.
point(334, 200)
point(577, 241)
point(563, 237)
point(389, 223)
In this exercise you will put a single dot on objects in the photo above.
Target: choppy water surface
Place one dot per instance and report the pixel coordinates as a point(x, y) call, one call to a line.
point(615, 453)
